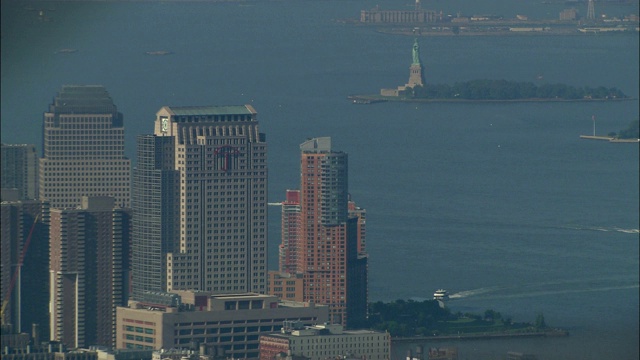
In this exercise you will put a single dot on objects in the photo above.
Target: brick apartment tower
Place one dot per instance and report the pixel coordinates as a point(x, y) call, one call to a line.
point(201, 181)
point(83, 148)
point(88, 271)
point(320, 246)
point(24, 264)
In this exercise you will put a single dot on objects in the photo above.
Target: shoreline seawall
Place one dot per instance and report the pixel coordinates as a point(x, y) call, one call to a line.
point(480, 336)
point(370, 99)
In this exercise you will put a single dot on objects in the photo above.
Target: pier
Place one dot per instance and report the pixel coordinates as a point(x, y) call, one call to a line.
point(609, 139)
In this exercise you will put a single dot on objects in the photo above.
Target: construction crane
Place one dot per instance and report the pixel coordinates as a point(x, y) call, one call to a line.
point(7, 296)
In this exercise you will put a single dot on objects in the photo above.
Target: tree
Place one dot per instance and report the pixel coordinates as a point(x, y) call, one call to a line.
point(632, 132)
point(540, 324)
point(492, 315)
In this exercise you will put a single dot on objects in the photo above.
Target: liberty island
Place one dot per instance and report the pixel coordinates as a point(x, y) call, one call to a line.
point(417, 90)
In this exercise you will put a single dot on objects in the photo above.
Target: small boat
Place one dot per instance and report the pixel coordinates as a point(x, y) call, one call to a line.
point(440, 294)
point(66, 51)
point(160, 52)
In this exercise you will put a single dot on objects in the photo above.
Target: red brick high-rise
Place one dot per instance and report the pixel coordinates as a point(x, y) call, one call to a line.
point(320, 238)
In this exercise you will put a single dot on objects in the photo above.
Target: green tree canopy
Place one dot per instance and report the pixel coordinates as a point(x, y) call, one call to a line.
point(511, 90)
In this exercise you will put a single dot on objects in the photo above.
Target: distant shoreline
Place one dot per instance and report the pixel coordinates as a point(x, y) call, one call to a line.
point(481, 336)
point(545, 32)
point(371, 99)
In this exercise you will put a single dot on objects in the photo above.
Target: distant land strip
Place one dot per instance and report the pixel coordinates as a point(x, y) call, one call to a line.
point(479, 32)
point(480, 336)
point(371, 99)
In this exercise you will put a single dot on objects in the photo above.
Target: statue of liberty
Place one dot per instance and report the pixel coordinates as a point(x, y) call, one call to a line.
point(416, 52)
point(416, 71)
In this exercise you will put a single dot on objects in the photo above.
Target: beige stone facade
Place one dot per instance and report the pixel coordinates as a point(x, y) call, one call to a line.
point(225, 324)
point(326, 342)
point(220, 158)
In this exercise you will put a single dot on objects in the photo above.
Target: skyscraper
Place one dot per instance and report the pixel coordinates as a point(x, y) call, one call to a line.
point(88, 271)
point(156, 208)
point(20, 171)
point(83, 145)
point(201, 180)
point(24, 264)
point(321, 242)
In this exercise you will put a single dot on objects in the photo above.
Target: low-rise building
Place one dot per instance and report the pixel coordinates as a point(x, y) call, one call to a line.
point(106, 353)
point(77, 354)
point(514, 355)
point(326, 341)
point(448, 353)
point(569, 14)
point(226, 325)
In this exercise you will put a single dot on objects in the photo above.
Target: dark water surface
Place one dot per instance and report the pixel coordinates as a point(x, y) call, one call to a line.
point(501, 204)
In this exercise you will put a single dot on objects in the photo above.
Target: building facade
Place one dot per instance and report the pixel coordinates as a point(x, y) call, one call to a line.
point(24, 264)
point(156, 211)
point(288, 257)
point(327, 254)
point(228, 325)
point(20, 171)
point(215, 238)
point(415, 16)
point(569, 14)
point(326, 341)
point(89, 271)
point(83, 149)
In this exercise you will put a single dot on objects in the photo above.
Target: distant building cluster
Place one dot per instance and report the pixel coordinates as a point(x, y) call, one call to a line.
point(569, 14)
point(168, 260)
point(379, 16)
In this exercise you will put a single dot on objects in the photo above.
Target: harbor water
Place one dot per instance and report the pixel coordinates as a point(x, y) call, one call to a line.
point(501, 204)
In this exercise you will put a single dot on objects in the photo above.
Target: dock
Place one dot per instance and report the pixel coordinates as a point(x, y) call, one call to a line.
point(364, 99)
point(609, 139)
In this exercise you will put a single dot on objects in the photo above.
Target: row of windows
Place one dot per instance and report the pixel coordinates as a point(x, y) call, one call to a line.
point(129, 345)
point(288, 282)
point(139, 338)
point(247, 321)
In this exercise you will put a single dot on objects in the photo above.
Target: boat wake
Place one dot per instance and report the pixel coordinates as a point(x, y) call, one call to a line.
point(603, 229)
point(560, 292)
point(476, 292)
point(546, 288)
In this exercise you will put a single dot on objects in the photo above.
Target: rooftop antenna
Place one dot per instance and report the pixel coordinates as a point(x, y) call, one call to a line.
point(593, 117)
